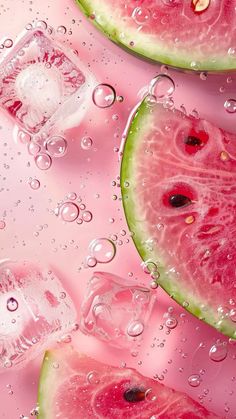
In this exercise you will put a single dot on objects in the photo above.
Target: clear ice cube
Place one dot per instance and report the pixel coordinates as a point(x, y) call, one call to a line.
point(115, 310)
point(34, 312)
point(38, 80)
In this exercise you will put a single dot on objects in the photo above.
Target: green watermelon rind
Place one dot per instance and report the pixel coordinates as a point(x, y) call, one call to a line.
point(48, 384)
point(148, 47)
point(141, 120)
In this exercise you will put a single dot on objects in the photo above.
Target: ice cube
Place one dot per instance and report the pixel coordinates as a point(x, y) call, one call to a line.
point(38, 81)
point(34, 312)
point(115, 310)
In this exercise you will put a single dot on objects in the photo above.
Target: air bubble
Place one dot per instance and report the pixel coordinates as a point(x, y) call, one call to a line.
point(104, 96)
point(41, 24)
point(33, 148)
point(43, 161)
point(93, 377)
point(162, 86)
point(135, 328)
point(24, 137)
point(12, 304)
point(141, 15)
point(2, 225)
point(87, 216)
point(61, 30)
point(69, 212)
point(194, 380)
point(230, 105)
point(171, 322)
point(34, 184)
point(86, 143)
point(103, 250)
point(8, 43)
point(91, 262)
point(56, 146)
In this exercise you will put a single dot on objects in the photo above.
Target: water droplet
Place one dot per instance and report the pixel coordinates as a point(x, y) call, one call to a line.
point(194, 380)
point(69, 212)
point(87, 216)
point(33, 148)
point(104, 96)
point(218, 352)
point(162, 86)
point(43, 161)
point(200, 6)
point(150, 396)
point(230, 105)
point(61, 30)
point(56, 146)
point(12, 304)
point(141, 15)
point(103, 250)
point(93, 377)
point(86, 143)
point(8, 43)
point(72, 196)
point(203, 75)
point(171, 322)
point(24, 137)
point(8, 363)
point(135, 328)
point(34, 184)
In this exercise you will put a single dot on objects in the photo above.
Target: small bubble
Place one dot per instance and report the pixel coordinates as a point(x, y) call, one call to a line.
point(218, 352)
point(230, 105)
point(55, 365)
point(87, 216)
point(41, 24)
point(103, 250)
point(12, 304)
point(91, 262)
point(162, 86)
point(150, 396)
point(203, 76)
point(141, 15)
point(43, 161)
point(69, 211)
point(171, 322)
point(104, 95)
point(33, 148)
point(28, 27)
point(8, 363)
point(135, 328)
point(93, 377)
point(86, 143)
point(24, 137)
point(232, 315)
point(34, 184)
point(56, 146)
point(194, 380)
point(8, 43)
point(61, 30)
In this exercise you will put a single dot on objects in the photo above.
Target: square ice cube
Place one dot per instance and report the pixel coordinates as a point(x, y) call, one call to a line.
point(115, 310)
point(34, 311)
point(36, 78)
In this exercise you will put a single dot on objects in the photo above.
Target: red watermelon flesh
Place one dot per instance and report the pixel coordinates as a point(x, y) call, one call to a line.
point(179, 194)
point(197, 34)
point(75, 386)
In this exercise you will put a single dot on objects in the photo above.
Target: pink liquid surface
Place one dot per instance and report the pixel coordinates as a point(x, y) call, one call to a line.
point(89, 173)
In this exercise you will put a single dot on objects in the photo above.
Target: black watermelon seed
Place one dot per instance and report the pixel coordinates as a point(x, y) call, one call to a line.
point(178, 200)
point(193, 141)
point(134, 395)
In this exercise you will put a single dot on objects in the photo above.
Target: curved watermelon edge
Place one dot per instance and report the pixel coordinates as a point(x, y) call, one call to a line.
point(43, 379)
point(180, 63)
point(129, 204)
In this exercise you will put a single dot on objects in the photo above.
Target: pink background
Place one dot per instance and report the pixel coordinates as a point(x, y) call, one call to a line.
point(90, 174)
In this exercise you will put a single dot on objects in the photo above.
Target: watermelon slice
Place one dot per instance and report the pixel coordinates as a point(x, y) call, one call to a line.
point(75, 386)
point(190, 34)
point(178, 180)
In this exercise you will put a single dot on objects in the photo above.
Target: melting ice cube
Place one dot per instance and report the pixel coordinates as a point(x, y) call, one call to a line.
point(34, 311)
point(115, 310)
point(41, 83)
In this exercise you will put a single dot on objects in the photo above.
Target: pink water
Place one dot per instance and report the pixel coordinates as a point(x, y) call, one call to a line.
point(33, 232)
